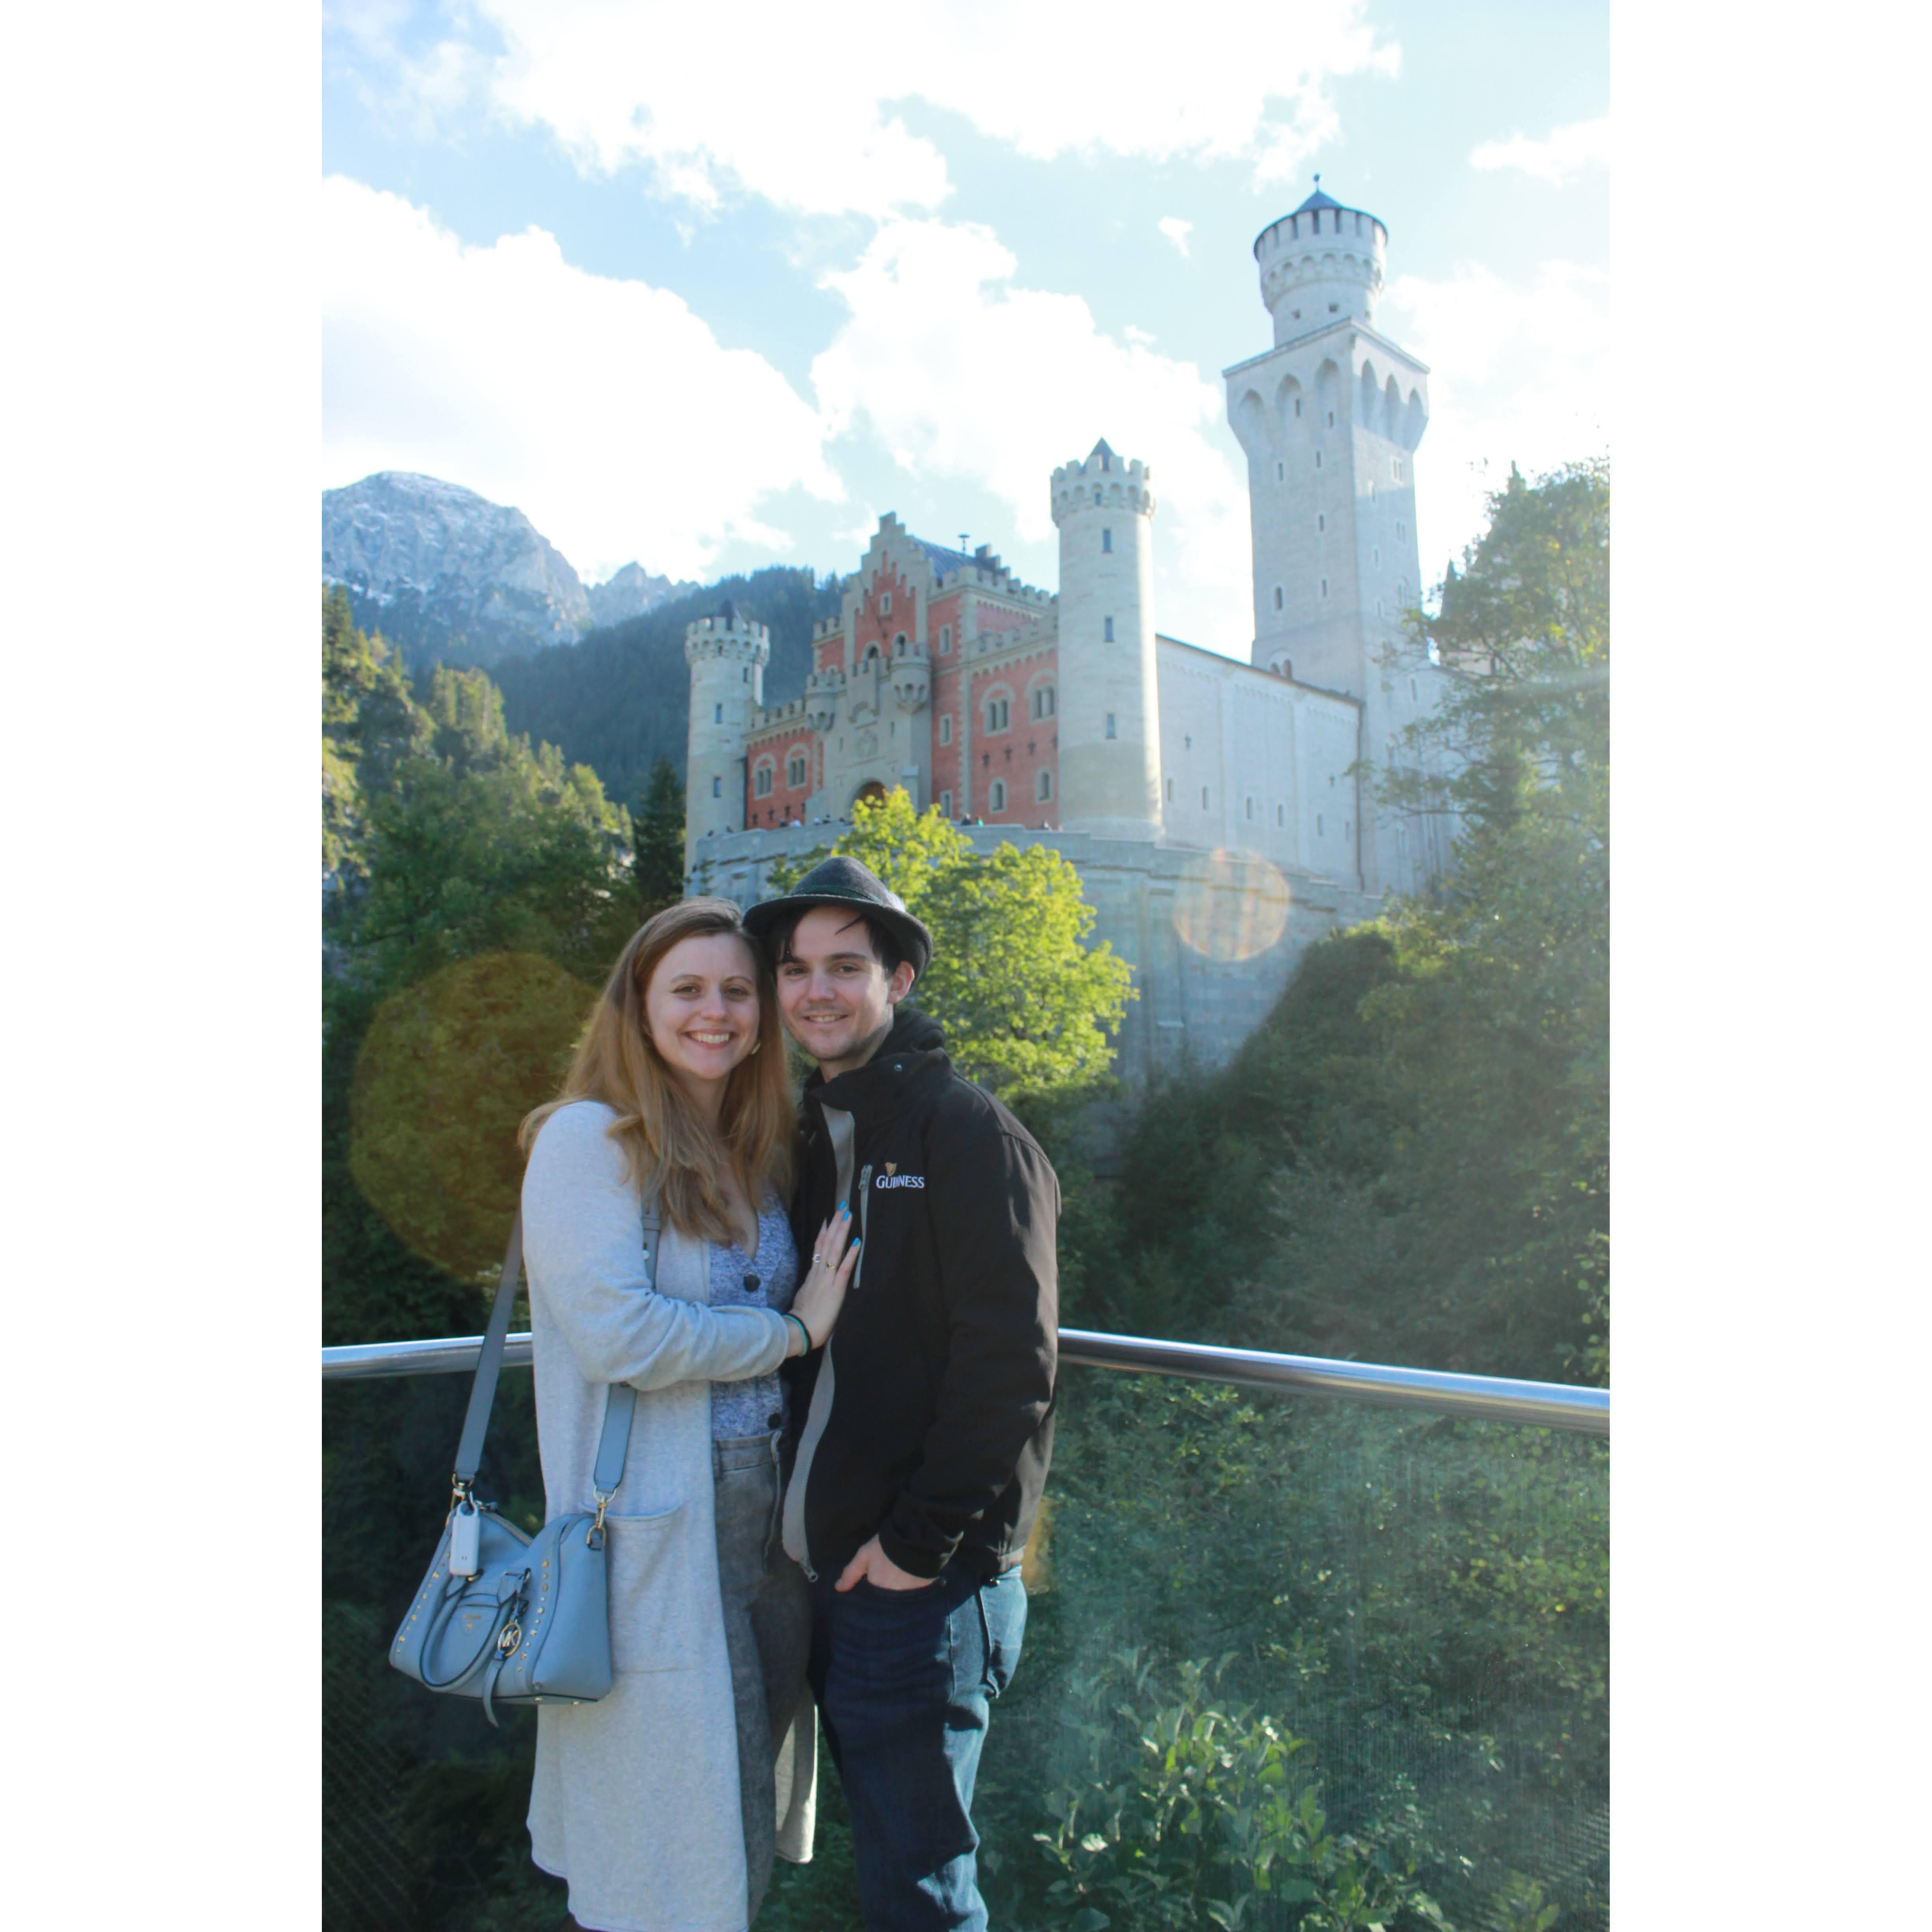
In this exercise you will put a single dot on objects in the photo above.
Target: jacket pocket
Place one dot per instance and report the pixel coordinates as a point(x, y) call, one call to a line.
point(650, 1578)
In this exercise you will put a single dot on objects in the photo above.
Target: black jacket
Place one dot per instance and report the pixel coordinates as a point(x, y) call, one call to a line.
point(927, 1417)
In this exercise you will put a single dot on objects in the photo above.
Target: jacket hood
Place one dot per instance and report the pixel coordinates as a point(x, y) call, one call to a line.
point(915, 1040)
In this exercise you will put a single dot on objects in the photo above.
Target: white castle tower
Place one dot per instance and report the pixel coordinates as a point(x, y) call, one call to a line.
point(1109, 703)
point(1330, 419)
point(727, 654)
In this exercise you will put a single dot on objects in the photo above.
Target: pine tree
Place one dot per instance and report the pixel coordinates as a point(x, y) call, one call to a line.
point(657, 840)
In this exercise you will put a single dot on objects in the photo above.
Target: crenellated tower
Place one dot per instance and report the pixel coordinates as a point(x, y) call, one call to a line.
point(1109, 719)
point(727, 654)
point(1329, 419)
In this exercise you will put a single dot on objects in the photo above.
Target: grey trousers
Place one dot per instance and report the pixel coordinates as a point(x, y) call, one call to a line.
point(767, 1633)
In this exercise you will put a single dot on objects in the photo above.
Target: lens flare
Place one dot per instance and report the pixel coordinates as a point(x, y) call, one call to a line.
point(1231, 905)
point(447, 1070)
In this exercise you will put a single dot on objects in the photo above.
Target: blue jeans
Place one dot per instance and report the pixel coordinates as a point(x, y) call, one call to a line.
point(904, 1679)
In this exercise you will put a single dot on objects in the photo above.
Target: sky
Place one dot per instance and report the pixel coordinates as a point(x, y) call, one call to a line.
point(714, 289)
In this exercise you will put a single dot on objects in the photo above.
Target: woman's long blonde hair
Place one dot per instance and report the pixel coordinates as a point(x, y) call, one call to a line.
point(668, 1145)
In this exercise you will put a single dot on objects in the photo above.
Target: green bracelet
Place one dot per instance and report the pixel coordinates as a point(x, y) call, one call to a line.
point(801, 1329)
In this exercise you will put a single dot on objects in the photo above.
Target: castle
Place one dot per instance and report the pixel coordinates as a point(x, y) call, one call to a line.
point(1210, 807)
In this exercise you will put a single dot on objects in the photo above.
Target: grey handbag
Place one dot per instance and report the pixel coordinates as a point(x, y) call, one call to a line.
point(504, 1617)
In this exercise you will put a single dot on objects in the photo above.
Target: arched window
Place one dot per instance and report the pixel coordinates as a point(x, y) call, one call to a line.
point(717, 787)
point(997, 710)
point(795, 771)
point(945, 639)
point(898, 645)
point(1043, 787)
point(885, 604)
point(997, 798)
point(718, 714)
point(1108, 637)
point(1043, 701)
point(1110, 724)
point(871, 652)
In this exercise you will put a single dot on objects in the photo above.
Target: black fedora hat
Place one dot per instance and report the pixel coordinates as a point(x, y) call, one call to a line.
point(845, 883)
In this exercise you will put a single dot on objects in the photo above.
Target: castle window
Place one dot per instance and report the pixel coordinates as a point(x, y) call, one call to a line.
point(1414, 696)
point(1106, 461)
point(1170, 791)
point(1347, 827)
point(1110, 724)
point(1324, 586)
point(1401, 529)
point(1106, 540)
point(718, 714)
point(1281, 814)
point(1398, 470)
point(898, 645)
point(795, 773)
point(1297, 400)
point(997, 798)
point(945, 639)
point(885, 603)
point(871, 652)
point(1321, 520)
point(1108, 638)
point(1043, 787)
point(745, 676)
point(946, 728)
point(717, 787)
point(1281, 472)
point(945, 803)
point(1043, 701)
point(1277, 597)
point(1318, 459)
point(1250, 806)
point(1096, 493)
point(996, 712)
point(1203, 798)
point(1334, 308)
point(1331, 413)
point(1319, 828)
point(761, 782)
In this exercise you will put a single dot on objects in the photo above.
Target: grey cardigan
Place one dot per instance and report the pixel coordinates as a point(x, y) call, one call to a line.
point(636, 1797)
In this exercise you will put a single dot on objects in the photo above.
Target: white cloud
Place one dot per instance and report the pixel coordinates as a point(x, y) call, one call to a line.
point(1519, 372)
point(937, 321)
point(1176, 230)
point(1567, 151)
point(605, 410)
point(814, 122)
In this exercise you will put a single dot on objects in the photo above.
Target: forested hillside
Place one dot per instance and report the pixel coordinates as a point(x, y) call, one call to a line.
point(618, 700)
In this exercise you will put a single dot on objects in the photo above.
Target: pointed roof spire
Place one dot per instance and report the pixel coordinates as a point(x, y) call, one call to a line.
point(1318, 199)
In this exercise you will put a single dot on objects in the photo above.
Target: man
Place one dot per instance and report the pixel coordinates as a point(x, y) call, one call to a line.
point(927, 1417)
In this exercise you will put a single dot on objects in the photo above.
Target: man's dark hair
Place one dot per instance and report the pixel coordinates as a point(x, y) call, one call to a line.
point(885, 945)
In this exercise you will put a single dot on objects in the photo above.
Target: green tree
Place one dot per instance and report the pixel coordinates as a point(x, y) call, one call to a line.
point(657, 841)
point(1029, 1008)
point(369, 724)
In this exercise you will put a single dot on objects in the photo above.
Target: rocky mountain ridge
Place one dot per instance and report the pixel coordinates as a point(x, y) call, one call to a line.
point(438, 567)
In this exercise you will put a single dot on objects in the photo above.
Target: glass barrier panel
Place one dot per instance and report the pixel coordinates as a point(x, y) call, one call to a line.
point(1290, 1663)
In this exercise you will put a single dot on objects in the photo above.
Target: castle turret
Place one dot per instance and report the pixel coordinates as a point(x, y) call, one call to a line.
point(1330, 419)
point(1109, 717)
point(727, 654)
point(1321, 264)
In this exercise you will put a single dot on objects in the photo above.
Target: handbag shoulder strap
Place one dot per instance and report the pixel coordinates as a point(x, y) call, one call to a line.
point(483, 1390)
point(620, 1399)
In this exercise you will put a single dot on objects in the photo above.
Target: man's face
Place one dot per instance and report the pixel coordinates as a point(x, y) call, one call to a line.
point(836, 998)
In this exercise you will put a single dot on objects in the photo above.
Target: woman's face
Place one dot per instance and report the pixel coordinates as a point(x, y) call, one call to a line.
point(701, 1007)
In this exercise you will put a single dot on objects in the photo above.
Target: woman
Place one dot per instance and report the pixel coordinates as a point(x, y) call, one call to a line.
point(663, 1803)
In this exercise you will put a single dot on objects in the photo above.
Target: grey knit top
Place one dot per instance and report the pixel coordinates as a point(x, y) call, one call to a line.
point(764, 1280)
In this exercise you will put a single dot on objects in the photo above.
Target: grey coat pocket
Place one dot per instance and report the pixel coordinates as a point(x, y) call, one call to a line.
point(650, 1587)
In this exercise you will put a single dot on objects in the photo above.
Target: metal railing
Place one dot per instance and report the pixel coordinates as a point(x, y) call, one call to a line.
point(1490, 1398)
